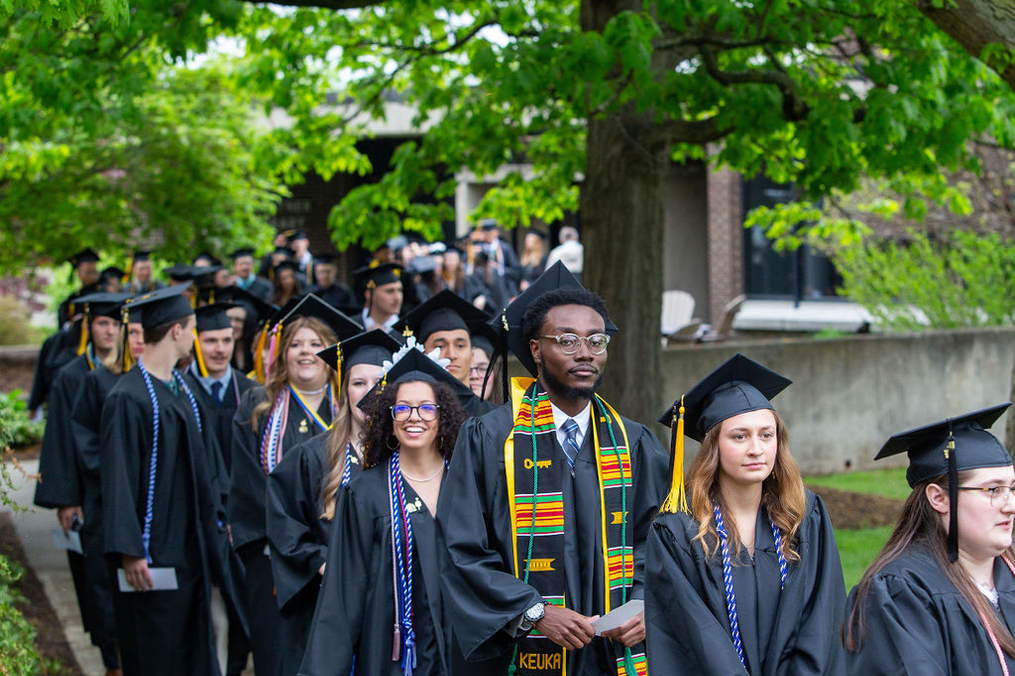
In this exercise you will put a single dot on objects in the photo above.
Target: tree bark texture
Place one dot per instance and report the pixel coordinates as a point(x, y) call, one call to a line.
point(974, 24)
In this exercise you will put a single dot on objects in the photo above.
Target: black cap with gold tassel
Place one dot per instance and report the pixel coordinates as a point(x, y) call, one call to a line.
point(676, 500)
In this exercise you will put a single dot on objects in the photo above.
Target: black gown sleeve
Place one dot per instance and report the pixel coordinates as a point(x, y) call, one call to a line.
point(651, 483)
point(60, 481)
point(247, 480)
point(292, 521)
point(482, 594)
point(125, 440)
point(682, 634)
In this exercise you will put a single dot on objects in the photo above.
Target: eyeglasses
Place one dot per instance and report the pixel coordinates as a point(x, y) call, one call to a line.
point(571, 342)
point(998, 494)
point(481, 368)
point(402, 412)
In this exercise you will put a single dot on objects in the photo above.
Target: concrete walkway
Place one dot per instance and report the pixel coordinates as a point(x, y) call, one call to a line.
point(34, 526)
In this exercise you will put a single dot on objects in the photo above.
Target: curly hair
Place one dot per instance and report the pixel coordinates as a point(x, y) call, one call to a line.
point(535, 313)
point(381, 428)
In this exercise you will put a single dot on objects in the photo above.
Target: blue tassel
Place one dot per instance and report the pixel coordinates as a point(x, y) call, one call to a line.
point(409, 653)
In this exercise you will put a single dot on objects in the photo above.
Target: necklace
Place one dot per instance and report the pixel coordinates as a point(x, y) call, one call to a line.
point(429, 478)
point(310, 393)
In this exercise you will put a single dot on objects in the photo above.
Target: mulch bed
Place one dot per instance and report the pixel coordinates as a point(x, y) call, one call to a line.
point(49, 639)
point(858, 510)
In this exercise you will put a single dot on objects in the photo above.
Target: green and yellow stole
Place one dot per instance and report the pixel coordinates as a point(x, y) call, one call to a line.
point(534, 481)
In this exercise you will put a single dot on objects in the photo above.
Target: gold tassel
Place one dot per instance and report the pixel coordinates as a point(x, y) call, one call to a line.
point(338, 371)
point(200, 357)
point(127, 360)
point(83, 341)
point(259, 354)
point(676, 501)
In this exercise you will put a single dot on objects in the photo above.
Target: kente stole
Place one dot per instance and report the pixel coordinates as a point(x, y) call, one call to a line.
point(534, 486)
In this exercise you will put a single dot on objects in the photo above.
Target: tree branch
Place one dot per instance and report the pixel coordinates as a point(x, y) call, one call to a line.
point(793, 108)
point(324, 4)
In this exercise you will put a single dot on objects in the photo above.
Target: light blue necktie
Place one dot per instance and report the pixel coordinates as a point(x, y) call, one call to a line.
point(571, 448)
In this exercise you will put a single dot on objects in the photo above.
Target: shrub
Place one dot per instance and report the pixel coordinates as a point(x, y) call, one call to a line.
point(15, 323)
point(18, 654)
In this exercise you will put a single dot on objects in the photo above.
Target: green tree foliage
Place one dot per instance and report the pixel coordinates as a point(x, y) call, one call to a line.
point(958, 280)
point(18, 654)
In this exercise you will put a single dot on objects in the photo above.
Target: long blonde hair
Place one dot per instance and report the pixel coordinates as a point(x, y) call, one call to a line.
point(334, 447)
point(782, 493)
point(920, 524)
point(279, 376)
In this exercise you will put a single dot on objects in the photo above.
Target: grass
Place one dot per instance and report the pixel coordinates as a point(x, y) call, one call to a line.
point(890, 483)
point(857, 548)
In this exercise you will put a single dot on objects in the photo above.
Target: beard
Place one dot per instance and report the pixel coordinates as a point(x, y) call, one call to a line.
point(550, 382)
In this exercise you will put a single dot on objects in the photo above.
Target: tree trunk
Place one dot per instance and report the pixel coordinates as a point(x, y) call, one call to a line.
point(622, 224)
point(974, 24)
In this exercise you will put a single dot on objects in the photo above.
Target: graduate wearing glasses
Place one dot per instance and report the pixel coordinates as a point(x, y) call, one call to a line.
point(379, 608)
point(940, 597)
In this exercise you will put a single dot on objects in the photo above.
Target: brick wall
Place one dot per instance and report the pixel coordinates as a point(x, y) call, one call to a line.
point(725, 240)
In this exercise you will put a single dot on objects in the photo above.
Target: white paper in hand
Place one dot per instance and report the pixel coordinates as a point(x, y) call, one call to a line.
point(71, 541)
point(163, 579)
point(618, 616)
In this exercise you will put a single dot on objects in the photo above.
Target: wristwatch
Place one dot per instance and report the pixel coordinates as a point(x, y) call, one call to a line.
point(534, 614)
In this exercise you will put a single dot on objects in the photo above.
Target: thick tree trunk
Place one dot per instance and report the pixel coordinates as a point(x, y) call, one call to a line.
point(622, 223)
point(974, 24)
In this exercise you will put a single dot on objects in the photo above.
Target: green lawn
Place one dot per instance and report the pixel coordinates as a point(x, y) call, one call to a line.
point(890, 483)
point(857, 548)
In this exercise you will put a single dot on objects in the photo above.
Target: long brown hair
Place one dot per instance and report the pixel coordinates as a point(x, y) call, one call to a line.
point(782, 493)
point(279, 376)
point(920, 524)
point(335, 443)
point(381, 428)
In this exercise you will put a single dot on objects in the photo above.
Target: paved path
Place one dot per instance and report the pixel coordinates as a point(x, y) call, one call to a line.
point(50, 565)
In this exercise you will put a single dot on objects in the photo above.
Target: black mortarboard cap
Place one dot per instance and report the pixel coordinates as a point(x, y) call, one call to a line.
point(102, 304)
point(949, 447)
point(180, 272)
point(298, 234)
point(538, 233)
point(206, 256)
point(421, 264)
point(141, 255)
point(483, 343)
point(84, 256)
point(369, 347)
point(242, 251)
point(737, 386)
point(415, 365)
point(112, 272)
point(373, 276)
point(163, 305)
point(242, 297)
point(488, 224)
point(510, 319)
point(324, 259)
point(204, 275)
point(312, 306)
point(287, 265)
point(446, 311)
point(284, 250)
point(213, 317)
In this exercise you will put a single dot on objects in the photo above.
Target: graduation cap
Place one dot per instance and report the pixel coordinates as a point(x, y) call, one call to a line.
point(949, 447)
point(161, 306)
point(412, 364)
point(141, 255)
point(509, 322)
point(112, 272)
point(446, 311)
point(206, 256)
point(213, 317)
point(373, 276)
point(298, 234)
point(737, 386)
point(538, 233)
point(286, 265)
point(86, 255)
point(481, 342)
point(312, 306)
point(241, 252)
point(324, 259)
point(421, 264)
point(261, 309)
point(284, 250)
point(488, 224)
point(102, 304)
point(181, 272)
point(369, 347)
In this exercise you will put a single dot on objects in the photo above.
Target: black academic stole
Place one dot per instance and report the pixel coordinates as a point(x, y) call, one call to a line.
point(534, 481)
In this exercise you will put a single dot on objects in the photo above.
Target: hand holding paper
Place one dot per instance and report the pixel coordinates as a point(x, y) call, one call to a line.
point(625, 624)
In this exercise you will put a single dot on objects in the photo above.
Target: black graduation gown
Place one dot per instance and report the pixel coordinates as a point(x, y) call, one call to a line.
point(164, 632)
point(474, 521)
point(60, 476)
point(917, 622)
point(356, 608)
point(219, 415)
point(56, 352)
point(298, 538)
point(261, 288)
point(99, 574)
point(247, 519)
point(63, 312)
point(337, 295)
point(792, 631)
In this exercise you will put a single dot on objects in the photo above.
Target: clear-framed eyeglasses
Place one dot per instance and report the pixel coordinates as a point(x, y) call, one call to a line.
point(402, 412)
point(998, 494)
point(571, 342)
